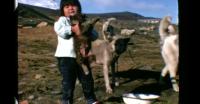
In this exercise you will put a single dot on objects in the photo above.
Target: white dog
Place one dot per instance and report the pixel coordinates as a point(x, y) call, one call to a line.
point(169, 50)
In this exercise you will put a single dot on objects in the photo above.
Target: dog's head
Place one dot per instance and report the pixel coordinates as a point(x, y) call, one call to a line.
point(109, 33)
point(86, 24)
point(78, 18)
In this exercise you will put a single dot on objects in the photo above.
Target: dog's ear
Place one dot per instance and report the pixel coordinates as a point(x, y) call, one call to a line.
point(83, 18)
point(94, 20)
point(88, 25)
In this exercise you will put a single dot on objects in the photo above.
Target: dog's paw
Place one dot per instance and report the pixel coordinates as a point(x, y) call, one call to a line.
point(116, 83)
point(175, 87)
point(109, 91)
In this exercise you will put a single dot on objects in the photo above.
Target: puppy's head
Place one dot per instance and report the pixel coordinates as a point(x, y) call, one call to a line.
point(78, 18)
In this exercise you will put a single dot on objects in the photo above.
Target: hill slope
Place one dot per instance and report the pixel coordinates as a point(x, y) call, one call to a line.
point(49, 15)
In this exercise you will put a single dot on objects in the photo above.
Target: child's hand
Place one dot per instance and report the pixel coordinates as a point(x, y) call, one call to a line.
point(76, 29)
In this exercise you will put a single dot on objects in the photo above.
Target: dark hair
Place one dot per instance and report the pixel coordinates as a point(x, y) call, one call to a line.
point(65, 2)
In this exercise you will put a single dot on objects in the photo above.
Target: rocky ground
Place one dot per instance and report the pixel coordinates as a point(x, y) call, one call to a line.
point(39, 80)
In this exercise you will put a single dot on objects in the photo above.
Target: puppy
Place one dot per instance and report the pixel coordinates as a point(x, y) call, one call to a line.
point(83, 41)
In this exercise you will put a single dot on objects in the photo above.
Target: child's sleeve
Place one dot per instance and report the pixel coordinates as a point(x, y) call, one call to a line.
point(62, 28)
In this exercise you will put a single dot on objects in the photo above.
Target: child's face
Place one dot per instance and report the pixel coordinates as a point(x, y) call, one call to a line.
point(70, 10)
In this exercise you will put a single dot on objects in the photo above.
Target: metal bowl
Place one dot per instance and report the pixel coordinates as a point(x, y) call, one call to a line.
point(136, 98)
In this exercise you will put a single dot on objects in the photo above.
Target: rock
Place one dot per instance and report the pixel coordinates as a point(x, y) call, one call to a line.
point(22, 83)
point(52, 65)
point(24, 102)
point(27, 27)
point(20, 92)
point(38, 76)
point(146, 68)
point(56, 92)
point(42, 24)
point(31, 97)
point(19, 26)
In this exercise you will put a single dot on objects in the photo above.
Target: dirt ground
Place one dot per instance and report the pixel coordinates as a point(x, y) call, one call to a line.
point(39, 80)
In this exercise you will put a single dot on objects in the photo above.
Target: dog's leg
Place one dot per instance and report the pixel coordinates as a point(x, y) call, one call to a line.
point(171, 59)
point(172, 72)
point(106, 78)
point(164, 71)
point(114, 76)
point(113, 73)
point(163, 74)
point(85, 69)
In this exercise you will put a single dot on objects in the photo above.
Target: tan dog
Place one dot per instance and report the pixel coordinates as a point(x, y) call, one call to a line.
point(106, 53)
point(169, 50)
point(102, 52)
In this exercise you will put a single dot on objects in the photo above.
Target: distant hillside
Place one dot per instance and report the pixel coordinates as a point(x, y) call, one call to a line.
point(119, 15)
point(31, 15)
point(47, 11)
point(45, 14)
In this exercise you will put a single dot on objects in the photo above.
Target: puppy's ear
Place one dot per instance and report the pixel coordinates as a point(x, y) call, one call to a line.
point(83, 17)
point(94, 20)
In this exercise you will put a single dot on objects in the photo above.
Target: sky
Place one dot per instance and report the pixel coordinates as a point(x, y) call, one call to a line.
point(147, 8)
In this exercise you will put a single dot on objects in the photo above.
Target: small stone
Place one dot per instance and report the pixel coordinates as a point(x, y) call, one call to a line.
point(24, 102)
point(31, 97)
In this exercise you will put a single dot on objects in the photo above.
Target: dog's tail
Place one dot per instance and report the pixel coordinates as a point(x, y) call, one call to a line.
point(107, 29)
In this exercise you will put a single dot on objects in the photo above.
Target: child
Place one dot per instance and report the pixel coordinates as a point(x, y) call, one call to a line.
point(65, 53)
